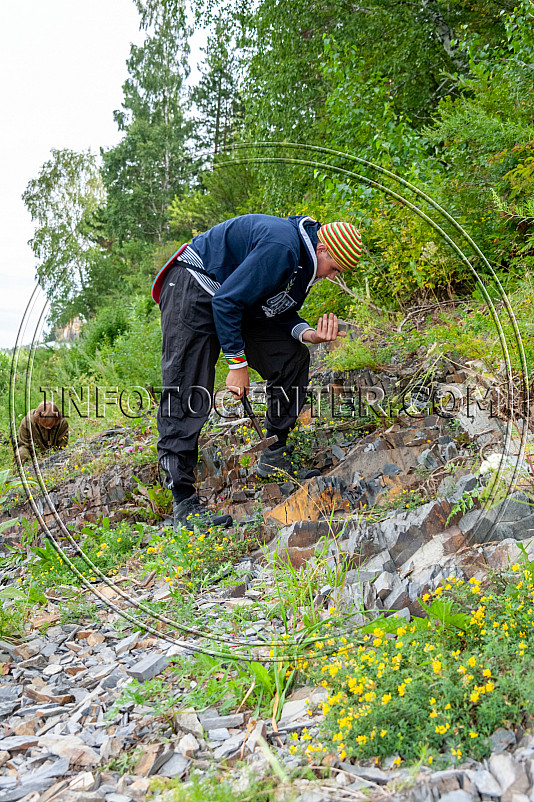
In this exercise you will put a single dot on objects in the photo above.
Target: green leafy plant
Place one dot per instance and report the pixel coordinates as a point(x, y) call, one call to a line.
point(154, 693)
point(105, 547)
point(7, 485)
point(16, 603)
point(465, 503)
point(448, 680)
point(77, 611)
point(159, 499)
point(200, 789)
point(193, 557)
point(126, 762)
point(30, 532)
point(295, 589)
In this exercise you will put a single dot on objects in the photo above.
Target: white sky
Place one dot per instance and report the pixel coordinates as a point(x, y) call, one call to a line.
point(62, 66)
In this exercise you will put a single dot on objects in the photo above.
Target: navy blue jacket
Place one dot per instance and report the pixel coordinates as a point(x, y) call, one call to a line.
point(266, 266)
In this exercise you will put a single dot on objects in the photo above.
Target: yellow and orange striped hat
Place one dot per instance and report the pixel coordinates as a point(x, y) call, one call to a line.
point(343, 242)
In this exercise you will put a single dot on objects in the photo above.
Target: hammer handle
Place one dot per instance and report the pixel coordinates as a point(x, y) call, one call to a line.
point(250, 412)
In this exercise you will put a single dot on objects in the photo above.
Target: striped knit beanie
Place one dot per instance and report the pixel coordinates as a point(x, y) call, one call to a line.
point(343, 242)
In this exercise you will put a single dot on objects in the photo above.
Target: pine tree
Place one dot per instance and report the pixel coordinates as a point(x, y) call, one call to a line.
point(148, 168)
point(216, 95)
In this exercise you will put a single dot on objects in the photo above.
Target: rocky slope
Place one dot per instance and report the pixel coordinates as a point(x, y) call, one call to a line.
point(399, 505)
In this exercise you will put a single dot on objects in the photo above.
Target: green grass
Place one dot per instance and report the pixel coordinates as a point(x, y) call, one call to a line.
point(216, 789)
point(354, 355)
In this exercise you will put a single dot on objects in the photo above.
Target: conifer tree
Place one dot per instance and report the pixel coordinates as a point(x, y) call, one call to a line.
point(149, 167)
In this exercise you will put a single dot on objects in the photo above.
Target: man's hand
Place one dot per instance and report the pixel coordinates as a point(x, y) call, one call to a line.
point(327, 330)
point(238, 381)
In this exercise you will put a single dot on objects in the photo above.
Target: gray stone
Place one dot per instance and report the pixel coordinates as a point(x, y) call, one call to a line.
point(312, 795)
point(27, 791)
point(188, 722)
point(450, 452)
point(114, 797)
point(360, 575)
point(9, 692)
point(287, 488)
point(110, 747)
point(112, 680)
point(420, 579)
point(478, 422)
point(35, 782)
point(293, 710)
point(510, 775)
point(126, 644)
point(258, 733)
point(218, 734)
point(368, 773)
point(404, 532)
point(106, 788)
point(212, 721)
point(9, 648)
point(148, 667)
point(57, 769)
point(6, 708)
point(429, 555)
point(52, 669)
point(457, 796)
point(229, 747)
point(484, 782)
point(502, 739)
point(465, 484)
point(384, 585)
point(59, 634)
point(16, 743)
point(478, 527)
point(176, 766)
point(524, 528)
point(391, 470)
point(188, 745)
point(514, 508)
point(338, 452)
point(428, 460)
point(399, 596)
point(380, 562)
point(368, 595)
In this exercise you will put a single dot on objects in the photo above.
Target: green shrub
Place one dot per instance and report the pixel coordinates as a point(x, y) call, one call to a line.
point(436, 687)
point(109, 323)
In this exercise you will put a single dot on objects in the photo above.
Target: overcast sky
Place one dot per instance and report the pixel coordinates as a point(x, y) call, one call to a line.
point(62, 66)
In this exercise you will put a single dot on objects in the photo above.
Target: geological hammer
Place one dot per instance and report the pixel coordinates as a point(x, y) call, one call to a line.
point(264, 441)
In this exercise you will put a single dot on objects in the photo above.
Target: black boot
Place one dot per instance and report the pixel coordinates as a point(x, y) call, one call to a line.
point(191, 511)
point(271, 461)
